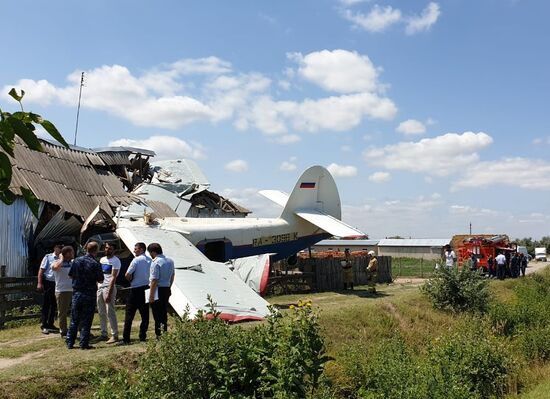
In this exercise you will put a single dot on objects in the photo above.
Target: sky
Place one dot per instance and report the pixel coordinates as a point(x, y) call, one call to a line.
point(430, 115)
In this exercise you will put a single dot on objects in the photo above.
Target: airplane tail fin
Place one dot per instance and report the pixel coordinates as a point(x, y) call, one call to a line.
point(315, 199)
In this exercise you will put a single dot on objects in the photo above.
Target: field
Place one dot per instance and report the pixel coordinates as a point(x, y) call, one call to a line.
point(33, 365)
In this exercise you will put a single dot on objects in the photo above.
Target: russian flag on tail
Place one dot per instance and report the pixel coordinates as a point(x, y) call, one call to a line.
point(307, 185)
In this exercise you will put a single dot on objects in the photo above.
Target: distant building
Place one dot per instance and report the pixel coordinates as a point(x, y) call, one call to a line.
point(341, 245)
point(425, 248)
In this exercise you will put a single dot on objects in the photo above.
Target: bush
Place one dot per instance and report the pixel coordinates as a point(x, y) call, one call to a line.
point(470, 363)
point(283, 358)
point(458, 290)
point(527, 319)
point(464, 365)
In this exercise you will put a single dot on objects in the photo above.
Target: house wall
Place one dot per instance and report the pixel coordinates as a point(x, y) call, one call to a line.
point(342, 248)
point(431, 253)
point(16, 225)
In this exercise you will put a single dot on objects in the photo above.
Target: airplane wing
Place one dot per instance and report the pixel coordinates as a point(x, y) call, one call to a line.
point(328, 223)
point(197, 276)
point(279, 197)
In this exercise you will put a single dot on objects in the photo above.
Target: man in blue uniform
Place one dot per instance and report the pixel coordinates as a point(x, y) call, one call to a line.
point(138, 275)
point(86, 272)
point(46, 284)
point(161, 279)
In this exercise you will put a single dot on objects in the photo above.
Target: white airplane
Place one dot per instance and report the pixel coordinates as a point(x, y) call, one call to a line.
point(199, 246)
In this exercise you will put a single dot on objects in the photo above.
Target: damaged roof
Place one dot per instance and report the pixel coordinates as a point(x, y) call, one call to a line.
point(68, 177)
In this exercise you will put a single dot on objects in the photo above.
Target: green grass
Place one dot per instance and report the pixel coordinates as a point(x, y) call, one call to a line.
point(412, 267)
point(351, 321)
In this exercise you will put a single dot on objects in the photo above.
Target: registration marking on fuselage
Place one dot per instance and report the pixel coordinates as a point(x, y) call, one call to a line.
point(275, 239)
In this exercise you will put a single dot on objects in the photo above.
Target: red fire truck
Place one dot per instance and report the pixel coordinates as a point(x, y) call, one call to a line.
point(482, 248)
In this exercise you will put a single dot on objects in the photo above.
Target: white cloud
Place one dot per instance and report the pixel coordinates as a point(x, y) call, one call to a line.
point(411, 126)
point(342, 170)
point(165, 147)
point(287, 139)
point(379, 177)
point(287, 166)
point(346, 148)
point(516, 172)
point(471, 211)
point(352, 2)
point(380, 18)
point(424, 21)
point(438, 156)
point(171, 96)
point(237, 166)
point(340, 71)
point(252, 200)
point(377, 20)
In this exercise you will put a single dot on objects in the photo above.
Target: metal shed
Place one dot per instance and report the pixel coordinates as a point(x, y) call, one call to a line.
point(420, 248)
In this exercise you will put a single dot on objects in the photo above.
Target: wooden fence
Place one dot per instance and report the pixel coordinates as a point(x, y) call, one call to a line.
point(325, 274)
point(16, 293)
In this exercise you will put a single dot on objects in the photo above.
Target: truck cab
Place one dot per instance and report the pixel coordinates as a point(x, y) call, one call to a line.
point(540, 254)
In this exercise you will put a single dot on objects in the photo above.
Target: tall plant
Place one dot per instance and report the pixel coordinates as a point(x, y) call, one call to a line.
point(21, 124)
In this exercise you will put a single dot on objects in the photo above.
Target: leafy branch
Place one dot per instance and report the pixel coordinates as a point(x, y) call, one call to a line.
point(21, 124)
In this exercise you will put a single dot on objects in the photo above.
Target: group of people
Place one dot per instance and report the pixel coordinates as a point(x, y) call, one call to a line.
point(79, 285)
point(371, 269)
point(507, 265)
point(504, 264)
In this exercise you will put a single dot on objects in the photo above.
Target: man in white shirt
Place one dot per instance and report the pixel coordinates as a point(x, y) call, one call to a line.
point(501, 265)
point(161, 279)
point(450, 257)
point(46, 284)
point(106, 293)
point(138, 275)
point(63, 286)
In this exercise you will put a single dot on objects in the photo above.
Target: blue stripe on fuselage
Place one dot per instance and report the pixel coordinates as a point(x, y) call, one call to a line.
point(281, 250)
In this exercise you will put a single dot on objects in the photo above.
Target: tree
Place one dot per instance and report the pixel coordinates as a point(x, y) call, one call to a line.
point(21, 124)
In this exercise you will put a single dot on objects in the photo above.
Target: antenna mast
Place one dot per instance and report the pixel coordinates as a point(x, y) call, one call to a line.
point(78, 108)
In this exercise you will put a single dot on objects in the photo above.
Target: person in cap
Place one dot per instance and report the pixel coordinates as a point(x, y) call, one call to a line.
point(63, 286)
point(160, 280)
point(106, 294)
point(347, 269)
point(46, 285)
point(138, 275)
point(371, 271)
point(86, 272)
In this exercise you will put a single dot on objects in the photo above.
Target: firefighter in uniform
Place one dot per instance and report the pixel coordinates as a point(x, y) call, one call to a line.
point(371, 271)
point(347, 268)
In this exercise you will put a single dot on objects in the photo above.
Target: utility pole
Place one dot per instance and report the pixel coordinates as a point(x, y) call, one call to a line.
point(470, 228)
point(78, 108)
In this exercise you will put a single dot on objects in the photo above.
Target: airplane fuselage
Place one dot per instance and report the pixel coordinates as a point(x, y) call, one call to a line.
point(222, 239)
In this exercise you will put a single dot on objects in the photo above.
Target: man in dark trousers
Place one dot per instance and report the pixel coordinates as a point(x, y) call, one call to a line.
point(161, 279)
point(138, 275)
point(46, 284)
point(86, 272)
point(523, 263)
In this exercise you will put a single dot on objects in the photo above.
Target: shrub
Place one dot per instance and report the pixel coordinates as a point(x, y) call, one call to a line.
point(457, 290)
point(530, 309)
point(470, 363)
point(283, 358)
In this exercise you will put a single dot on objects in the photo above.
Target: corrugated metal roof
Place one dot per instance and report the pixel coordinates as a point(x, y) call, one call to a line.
point(115, 158)
point(414, 242)
point(343, 243)
point(180, 171)
point(133, 150)
point(67, 178)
